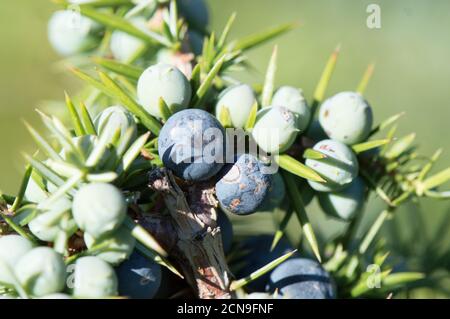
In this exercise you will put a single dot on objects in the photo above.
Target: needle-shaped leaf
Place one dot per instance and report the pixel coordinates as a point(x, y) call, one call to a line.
point(208, 82)
point(373, 231)
point(314, 154)
point(235, 285)
point(437, 179)
point(225, 117)
point(366, 79)
point(226, 31)
point(117, 92)
point(299, 208)
point(42, 143)
point(400, 146)
point(269, 82)
point(366, 146)
point(324, 81)
point(44, 171)
point(164, 109)
point(130, 71)
point(22, 189)
point(76, 121)
point(290, 164)
point(394, 280)
point(279, 233)
point(107, 177)
point(87, 120)
point(250, 124)
point(116, 22)
point(144, 237)
point(254, 40)
point(133, 152)
point(427, 167)
point(386, 123)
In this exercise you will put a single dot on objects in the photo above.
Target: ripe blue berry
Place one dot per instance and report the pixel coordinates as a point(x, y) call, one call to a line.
point(12, 248)
point(41, 271)
point(124, 46)
point(99, 209)
point(195, 12)
point(346, 203)
point(346, 117)
point(258, 254)
point(239, 100)
point(70, 33)
point(276, 129)
point(301, 278)
point(275, 195)
point(339, 168)
point(94, 278)
point(192, 145)
point(226, 230)
point(163, 81)
point(195, 41)
point(139, 277)
point(244, 186)
point(116, 247)
point(294, 100)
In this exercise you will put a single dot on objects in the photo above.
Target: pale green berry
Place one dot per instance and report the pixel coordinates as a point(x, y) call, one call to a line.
point(294, 100)
point(41, 272)
point(339, 168)
point(12, 248)
point(239, 100)
point(115, 118)
point(71, 33)
point(49, 224)
point(345, 204)
point(346, 117)
point(276, 129)
point(116, 247)
point(94, 278)
point(163, 81)
point(124, 46)
point(99, 209)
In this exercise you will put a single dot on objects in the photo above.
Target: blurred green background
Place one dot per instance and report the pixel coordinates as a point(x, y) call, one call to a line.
point(411, 52)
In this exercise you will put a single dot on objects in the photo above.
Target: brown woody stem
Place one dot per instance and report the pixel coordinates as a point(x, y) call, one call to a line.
point(197, 240)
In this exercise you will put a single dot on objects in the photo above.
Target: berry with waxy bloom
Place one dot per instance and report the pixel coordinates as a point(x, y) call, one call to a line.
point(244, 186)
point(276, 129)
point(116, 247)
point(163, 81)
point(301, 278)
point(345, 204)
point(239, 100)
point(139, 277)
point(41, 271)
point(346, 117)
point(192, 145)
point(94, 278)
point(294, 100)
point(12, 248)
point(339, 168)
point(99, 209)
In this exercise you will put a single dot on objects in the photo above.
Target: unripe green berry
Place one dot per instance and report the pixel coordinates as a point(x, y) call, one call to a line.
point(119, 245)
point(99, 209)
point(346, 117)
point(239, 100)
point(345, 204)
point(113, 118)
point(70, 33)
point(167, 82)
point(294, 100)
point(47, 225)
point(339, 168)
point(275, 129)
point(94, 278)
point(12, 248)
point(41, 272)
point(125, 46)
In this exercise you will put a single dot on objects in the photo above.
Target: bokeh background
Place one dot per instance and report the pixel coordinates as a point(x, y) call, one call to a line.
point(411, 52)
